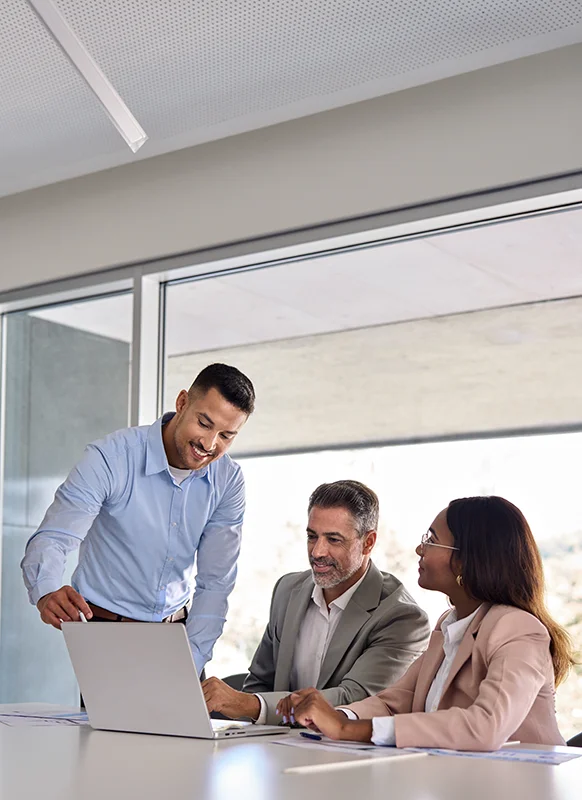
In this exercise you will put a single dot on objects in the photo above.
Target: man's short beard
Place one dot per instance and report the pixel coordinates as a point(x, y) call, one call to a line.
point(333, 580)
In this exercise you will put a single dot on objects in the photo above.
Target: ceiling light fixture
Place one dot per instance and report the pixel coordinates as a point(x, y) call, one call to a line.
point(119, 113)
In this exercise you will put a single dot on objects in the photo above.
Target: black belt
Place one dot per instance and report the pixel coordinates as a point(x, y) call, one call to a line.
point(110, 616)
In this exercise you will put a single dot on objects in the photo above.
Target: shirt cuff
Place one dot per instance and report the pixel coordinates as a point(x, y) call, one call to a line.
point(348, 712)
point(45, 586)
point(383, 731)
point(262, 718)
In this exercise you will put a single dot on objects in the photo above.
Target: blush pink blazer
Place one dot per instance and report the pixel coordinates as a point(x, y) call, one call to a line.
point(500, 688)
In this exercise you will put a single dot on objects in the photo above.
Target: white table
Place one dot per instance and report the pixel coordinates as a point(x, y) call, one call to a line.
point(78, 763)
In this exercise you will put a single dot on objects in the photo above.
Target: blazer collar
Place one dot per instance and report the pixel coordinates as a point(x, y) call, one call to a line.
point(357, 612)
point(431, 662)
point(366, 598)
point(434, 657)
point(466, 645)
point(296, 608)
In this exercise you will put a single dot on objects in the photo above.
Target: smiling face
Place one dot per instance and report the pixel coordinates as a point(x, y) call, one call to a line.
point(436, 569)
point(337, 554)
point(202, 430)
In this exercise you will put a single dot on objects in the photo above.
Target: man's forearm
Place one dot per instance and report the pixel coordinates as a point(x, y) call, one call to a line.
point(44, 562)
point(203, 630)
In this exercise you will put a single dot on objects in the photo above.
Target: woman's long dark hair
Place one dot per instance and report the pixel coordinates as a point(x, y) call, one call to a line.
point(501, 563)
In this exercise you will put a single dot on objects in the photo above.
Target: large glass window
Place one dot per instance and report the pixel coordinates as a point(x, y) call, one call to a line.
point(469, 333)
point(450, 334)
point(67, 379)
point(414, 482)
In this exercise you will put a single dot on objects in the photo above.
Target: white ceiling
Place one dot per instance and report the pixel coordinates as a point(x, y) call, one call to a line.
point(519, 261)
point(196, 71)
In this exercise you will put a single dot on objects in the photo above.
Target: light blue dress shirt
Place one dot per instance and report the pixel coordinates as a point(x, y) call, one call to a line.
point(140, 533)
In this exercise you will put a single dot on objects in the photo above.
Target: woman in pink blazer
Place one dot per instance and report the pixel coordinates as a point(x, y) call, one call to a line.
point(492, 662)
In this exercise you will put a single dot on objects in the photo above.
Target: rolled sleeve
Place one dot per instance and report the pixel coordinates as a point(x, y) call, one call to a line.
point(217, 555)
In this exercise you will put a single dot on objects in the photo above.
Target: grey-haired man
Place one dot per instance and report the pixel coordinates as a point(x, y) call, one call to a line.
point(343, 626)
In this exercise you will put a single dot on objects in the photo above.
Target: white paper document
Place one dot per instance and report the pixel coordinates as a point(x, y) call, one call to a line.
point(21, 719)
point(331, 745)
point(379, 752)
point(507, 754)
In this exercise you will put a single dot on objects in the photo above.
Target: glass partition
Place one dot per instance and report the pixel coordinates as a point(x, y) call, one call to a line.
point(67, 383)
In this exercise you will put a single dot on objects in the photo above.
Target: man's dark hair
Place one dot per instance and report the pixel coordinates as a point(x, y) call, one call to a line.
point(355, 497)
point(232, 384)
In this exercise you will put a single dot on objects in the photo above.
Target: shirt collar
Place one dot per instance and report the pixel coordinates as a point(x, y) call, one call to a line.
point(156, 458)
point(341, 601)
point(454, 629)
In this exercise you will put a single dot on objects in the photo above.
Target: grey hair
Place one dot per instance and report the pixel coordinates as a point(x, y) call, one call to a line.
point(361, 502)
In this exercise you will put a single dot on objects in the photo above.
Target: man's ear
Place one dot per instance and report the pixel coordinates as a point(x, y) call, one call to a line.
point(182, 401)
point(369, 542)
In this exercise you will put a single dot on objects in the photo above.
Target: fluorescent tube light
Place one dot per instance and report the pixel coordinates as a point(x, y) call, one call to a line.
point(119, 113)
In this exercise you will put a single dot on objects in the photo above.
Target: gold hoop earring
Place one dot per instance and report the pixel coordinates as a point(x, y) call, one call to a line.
point(459, 580)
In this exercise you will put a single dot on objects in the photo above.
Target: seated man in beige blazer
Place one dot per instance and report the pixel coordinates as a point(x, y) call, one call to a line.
point(342, 626)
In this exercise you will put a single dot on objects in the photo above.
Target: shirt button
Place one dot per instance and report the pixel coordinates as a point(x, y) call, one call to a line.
point(174, 524)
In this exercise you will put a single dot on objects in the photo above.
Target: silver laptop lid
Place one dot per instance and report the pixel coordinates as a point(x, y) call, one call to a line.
point(138, 677)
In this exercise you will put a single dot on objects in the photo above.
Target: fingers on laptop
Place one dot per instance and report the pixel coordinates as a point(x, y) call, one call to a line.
point(63, 606)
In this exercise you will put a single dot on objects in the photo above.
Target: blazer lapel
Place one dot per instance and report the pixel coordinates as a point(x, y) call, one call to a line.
point(431, 662)
point(354, 616)
point(465, 648)
point(296, 608)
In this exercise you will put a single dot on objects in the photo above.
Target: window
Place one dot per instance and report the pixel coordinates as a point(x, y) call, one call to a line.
point(67, 383)
point(416, 365)
point(357, 355)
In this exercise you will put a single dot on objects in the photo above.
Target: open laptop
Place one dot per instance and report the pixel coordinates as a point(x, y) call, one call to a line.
point(141, 678)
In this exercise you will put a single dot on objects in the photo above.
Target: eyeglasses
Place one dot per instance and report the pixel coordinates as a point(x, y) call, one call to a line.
point(425, 542)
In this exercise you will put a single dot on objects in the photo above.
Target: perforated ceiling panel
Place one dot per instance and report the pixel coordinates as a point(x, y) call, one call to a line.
point(196, 70)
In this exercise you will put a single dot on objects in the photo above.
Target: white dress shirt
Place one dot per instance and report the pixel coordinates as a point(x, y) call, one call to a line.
point(453, 630)
point(315, 633)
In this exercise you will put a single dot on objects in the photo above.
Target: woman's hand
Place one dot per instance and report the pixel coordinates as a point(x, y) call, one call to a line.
point(285, 707)
point(311, 709)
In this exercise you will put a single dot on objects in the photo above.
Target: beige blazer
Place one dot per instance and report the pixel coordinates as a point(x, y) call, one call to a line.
point(380, 633)
point(500, 688)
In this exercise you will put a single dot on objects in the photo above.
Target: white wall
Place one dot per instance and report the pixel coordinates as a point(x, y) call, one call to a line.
point(515, 122)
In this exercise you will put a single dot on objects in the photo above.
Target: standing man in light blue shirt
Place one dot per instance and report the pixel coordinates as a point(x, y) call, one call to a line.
point(144, 505)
